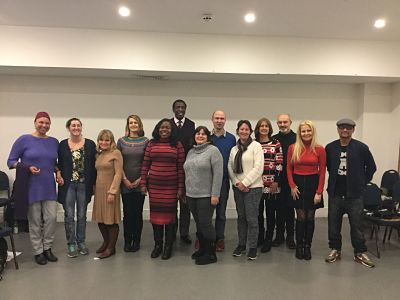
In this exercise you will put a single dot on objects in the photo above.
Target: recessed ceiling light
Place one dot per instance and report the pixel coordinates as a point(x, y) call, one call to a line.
point(124, 11)
point(380, 23)
point(250, 17)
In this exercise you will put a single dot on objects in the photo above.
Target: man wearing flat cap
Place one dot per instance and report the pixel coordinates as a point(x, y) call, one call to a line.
point(350, 166)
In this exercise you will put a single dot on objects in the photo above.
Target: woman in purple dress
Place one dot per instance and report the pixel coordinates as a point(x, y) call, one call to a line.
point(38, 151)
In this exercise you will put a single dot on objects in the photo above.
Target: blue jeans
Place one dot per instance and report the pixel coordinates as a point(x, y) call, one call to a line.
point(220, 210)
point(76, 194)
point(338, 206)
point(247, 205)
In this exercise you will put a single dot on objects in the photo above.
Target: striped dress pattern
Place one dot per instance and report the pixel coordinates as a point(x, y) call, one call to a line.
point(162, 173)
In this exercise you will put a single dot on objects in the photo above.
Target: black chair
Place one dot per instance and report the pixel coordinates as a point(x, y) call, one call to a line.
point(389, 178)
point(379, 213)
point(396, 200)
point(6, 229)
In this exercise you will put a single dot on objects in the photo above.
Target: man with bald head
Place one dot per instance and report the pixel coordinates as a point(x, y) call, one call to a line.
point(224, 141)
point(285, 219)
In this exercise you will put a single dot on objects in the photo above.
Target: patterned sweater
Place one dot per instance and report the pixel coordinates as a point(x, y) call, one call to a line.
point(273, 159)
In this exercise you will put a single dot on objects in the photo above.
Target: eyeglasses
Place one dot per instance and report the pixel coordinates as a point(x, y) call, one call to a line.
point(348, 127)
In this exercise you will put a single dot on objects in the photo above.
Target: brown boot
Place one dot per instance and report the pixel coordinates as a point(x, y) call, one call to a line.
point(113, 231)
point(104, 233)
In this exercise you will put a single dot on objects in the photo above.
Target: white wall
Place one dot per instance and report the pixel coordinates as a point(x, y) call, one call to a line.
point(105, 103)
point(127, 50)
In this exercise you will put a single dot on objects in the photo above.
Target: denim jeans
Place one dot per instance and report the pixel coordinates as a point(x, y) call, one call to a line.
point(338, 206)
point(76, 194)
point(247, 205)
point(220, 210)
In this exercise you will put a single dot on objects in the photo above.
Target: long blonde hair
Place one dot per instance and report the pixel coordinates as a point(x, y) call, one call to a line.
point(299, 146)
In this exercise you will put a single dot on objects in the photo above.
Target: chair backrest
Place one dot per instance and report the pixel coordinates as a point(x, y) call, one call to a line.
point(389, 178)
point(4, 182)
point(372, 197)
point(396, 192)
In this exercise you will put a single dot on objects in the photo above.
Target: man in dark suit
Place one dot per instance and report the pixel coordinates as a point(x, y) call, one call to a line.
point(185, 129)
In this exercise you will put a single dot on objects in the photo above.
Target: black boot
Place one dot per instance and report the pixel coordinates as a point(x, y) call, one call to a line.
point(167, 253)
point(266, 247)
point(209, 256)
point(309, 233)
point(201, 250)
point(158, 248)
point(169, 240)
point(158, 231)
point(300, 230)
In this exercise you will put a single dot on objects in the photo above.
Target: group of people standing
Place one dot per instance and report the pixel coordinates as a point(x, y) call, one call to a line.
point(280, 174)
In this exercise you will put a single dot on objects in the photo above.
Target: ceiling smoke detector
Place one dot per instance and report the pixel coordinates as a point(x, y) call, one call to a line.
point(207, 17)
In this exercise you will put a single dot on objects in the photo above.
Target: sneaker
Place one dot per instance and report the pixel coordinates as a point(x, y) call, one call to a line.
point(363, 259)
point(333, 256)
point(252, 254)
point(72, 252)
point(239, 251)
point(83, 250)
point(220, 246)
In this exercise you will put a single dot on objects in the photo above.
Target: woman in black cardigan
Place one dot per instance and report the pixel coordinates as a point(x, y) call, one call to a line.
point(76, 176)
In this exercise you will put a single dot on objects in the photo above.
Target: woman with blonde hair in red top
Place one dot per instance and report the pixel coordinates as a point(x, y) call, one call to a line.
point(306, 164)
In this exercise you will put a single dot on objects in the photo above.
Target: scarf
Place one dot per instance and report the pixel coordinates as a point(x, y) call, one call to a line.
point(237, 164)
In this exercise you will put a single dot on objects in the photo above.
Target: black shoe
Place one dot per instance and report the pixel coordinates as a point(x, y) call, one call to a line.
point(266, 247)
point(278, 241)
point(40, 259)
point(127, 247)
point(186, 239)
point(158, 248)
point(290, 243)
point(209, 256)
point(299, 252)
point(307, 252)
point(167, 252)
point(135, 247)
point(49, 255)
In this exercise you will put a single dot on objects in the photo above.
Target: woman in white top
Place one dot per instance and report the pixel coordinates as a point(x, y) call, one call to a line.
point(245, 167)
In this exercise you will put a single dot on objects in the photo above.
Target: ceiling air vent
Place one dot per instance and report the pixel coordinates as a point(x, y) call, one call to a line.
point(150, 77)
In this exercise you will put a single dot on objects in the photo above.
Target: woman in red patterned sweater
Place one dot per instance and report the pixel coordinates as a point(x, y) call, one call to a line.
point(273, 158)
point(306, 164)
point(163, 177)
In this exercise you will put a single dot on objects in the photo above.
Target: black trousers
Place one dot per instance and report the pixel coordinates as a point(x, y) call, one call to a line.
point(133, 216)
point(202, 212)
point(286, 219)
point(274, 214)
point(184, 219)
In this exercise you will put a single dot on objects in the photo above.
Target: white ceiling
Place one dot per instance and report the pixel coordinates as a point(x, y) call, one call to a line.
point(350, 19)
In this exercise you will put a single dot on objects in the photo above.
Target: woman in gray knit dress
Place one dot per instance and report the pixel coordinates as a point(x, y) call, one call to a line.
point(203, 178)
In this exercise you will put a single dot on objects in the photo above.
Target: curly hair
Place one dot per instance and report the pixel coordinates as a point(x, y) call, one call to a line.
point(173, 139)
